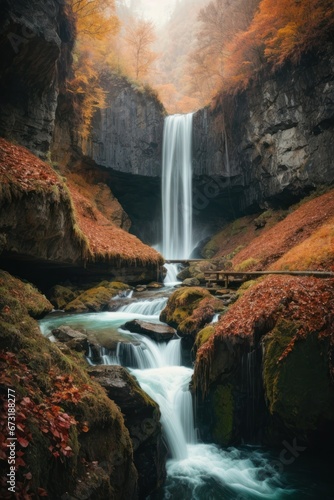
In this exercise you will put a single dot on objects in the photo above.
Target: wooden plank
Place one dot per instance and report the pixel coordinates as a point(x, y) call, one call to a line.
point(223, 276)
point(320, 274)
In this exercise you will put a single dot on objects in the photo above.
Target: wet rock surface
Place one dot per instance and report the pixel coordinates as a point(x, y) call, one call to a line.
point(142, 418)
point(157, 332)
point(276, 135)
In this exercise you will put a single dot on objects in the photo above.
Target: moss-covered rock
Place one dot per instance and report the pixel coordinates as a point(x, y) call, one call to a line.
point(223, 413)
point(204, 335)
point(66, 425)
point(196, 270)
point(96, 298)
point(297, 385)
point(60, 296)
point(181, 305)
point(190, 309)
point(273, 348)
point(142, 418)
point(18, 298)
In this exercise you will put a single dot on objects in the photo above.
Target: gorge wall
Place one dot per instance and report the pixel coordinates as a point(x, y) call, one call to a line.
point(36, 41)
point(272, 142)
point(125, 144)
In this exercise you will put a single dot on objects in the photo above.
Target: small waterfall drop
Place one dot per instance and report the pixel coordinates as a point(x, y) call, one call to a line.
point(177, 187)
point(171, 276)
point(145, 307)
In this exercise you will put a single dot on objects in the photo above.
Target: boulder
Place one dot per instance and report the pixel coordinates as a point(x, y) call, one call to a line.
point(97, 298)
point(75, 340)
point(60, 296)
point(189, 309)
point(142, 418)
point(74, 434)
point(265, 372)
point(157, 332)
point(191, 282)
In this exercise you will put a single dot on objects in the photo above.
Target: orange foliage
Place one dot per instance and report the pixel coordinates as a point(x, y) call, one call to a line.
point(106, 240)
point(37, 409)
point(96, 27)
point(21, 170)
point(235, 41)
point(303, 301)
point(316, 252)
point(296, 228)
point(94, 18)
point(139, 37)
point(20, 167)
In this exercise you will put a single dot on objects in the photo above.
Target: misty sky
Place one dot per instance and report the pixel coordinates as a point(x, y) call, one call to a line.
point(157, 10)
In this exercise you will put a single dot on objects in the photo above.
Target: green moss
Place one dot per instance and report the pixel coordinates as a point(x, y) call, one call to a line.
point(204, 335)
point(298, 387)
point(181, 305)
point(246, 265)
point(21, 297)
point(60, 296)
point(245, 286)
point(223, 408)
point(37, 364)
point(96, 298)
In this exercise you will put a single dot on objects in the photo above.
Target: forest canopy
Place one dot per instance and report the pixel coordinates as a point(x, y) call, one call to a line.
point(204, 49)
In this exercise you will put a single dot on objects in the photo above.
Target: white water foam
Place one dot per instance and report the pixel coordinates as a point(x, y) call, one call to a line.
point(177, 187)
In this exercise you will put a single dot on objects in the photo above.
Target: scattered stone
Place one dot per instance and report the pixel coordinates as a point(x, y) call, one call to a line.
point(60, 296)
point(141, 288)
point(191, 282)
point(75, 340)
point(154, 285)
point(157, 332)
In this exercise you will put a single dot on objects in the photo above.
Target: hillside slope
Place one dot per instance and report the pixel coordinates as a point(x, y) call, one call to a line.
point(303, 240)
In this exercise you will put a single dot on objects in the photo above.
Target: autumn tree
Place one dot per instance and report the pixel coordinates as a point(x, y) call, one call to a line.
point(95, 18)
point(218, 23)
point(139, 36)
point(96, 25)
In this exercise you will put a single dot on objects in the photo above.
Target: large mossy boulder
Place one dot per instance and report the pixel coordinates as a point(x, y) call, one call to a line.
point(266, 372)
point(296, 376)
point(189, 309)
point(19, 298)
point(97, 298)
point(71, 438)
point(60, 296)
point(142, 418)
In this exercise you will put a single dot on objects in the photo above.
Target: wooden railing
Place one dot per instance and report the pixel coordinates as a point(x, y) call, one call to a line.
point(224, 276)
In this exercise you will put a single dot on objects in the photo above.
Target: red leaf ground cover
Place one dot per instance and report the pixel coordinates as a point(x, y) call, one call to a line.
point(290, 232)
point(107, 240)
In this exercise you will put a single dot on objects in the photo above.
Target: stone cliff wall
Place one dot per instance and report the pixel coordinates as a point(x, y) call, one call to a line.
point(127, 134)
point(34, 37)
point(274, 141)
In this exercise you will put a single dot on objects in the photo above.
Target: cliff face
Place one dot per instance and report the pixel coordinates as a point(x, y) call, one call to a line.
point(125, 144)
point(127, 135)
point(274, 141)
point(34, 37)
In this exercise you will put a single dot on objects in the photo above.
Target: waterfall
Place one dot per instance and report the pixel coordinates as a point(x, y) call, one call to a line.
point(145, 307)
point(195, 470)
point(177, 187)
point(171, 276)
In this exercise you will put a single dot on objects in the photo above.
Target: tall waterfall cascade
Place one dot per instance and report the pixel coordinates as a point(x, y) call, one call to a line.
point(177, 187)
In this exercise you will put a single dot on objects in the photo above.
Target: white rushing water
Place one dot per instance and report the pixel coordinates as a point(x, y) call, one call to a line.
point(195, 471)
point(145, 307)
point(171, 276)
point(177, 187)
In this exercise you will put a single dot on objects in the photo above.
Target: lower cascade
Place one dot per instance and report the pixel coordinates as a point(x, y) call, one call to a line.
point(194, 470)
